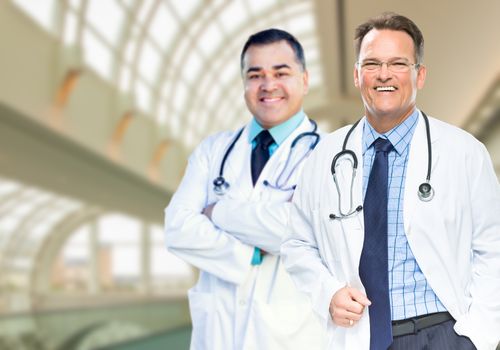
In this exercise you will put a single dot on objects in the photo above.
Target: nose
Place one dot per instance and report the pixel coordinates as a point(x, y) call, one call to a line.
point(384, 73)
point(268, 84)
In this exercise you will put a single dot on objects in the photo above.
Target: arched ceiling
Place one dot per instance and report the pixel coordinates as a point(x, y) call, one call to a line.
point(177, 60)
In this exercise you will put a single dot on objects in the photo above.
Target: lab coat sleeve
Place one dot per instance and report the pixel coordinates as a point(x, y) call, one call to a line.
point(191, 235)
point(482, 322)
point(300, 253)
point(259, 224)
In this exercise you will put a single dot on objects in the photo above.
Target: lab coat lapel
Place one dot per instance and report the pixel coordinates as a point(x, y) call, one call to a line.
point(238, 167)
point(277, 161)
point(354, 226)
point(350, 237)
point(416, 171)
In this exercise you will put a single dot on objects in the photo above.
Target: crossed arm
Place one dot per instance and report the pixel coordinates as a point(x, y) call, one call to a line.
point(220, 237)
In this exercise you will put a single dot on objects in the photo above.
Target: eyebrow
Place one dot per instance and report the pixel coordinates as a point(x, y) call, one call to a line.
point(275, 67)
point(279, 66)
point(390, 59)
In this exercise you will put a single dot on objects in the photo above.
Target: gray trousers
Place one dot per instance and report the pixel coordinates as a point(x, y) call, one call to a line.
point(439, 337)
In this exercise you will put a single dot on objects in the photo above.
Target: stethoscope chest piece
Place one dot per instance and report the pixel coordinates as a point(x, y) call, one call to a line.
point(425, 192)
point(220, 186)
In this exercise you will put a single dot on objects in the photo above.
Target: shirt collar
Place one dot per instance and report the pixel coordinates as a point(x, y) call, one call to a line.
point(279, 132)
point(399, 136)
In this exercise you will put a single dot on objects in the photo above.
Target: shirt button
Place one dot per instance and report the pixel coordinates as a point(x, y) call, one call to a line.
point(243, 302)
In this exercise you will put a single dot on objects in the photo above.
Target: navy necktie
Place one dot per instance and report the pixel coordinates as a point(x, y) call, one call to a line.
point(373, 269)
point(260, 153)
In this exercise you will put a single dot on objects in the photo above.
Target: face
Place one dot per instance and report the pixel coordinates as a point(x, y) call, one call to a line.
point(274, 83)
point(389, 98)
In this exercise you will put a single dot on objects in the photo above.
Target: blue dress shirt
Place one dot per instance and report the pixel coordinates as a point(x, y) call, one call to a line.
point(410, 294)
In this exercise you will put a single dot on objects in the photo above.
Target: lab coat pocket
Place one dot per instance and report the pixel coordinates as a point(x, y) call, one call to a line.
point(201, 306)
point(287, 325)
point(330, 233)
point(339, 243)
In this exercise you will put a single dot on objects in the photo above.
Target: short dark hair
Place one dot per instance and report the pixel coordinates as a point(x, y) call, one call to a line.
point(273, 35)
point(391, 21)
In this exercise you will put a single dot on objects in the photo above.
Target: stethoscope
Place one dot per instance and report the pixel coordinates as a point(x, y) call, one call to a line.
point(425, 190)
point(221, 185)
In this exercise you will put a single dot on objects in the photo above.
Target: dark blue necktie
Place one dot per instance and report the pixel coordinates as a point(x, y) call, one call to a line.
point(373, 264)
point(260, 156)
point(260, 153)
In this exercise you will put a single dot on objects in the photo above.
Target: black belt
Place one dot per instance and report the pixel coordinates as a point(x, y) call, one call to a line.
point(414, 324)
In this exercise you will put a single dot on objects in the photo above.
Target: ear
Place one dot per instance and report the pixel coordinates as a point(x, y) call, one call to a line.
point(305, 81)
point(421, 74)
point(356, 75)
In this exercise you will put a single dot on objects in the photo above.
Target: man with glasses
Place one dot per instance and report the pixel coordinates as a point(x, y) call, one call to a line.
point(416, 265)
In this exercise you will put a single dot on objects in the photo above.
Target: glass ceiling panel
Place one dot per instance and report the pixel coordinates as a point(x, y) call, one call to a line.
point(96, 54)
point(301, 24)
point(162, 113)
point(185, 8)
point(131, 49)
point(210, 39)
point(99, 14)
point(125, 79)
point(259, 6)
point(144, 10)
point(75, 4)
point(143, 94)
point(163, 27)
point(42, 11)
point(181, 95)
point(193, 66)
point(232, 16)
point(128, 3)
point(70, 31)
point(149, 62)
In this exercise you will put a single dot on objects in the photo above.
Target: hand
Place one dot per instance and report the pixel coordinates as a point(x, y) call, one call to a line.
point(347, 306)
point(207, 211)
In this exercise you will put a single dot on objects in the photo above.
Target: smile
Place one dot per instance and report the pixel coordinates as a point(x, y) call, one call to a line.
point(385, 88)
point(270, 99)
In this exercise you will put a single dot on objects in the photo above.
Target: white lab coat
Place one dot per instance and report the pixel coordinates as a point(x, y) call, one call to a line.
point(236, 305)
point(455, 237)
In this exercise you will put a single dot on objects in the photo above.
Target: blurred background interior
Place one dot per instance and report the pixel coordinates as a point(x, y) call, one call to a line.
point(101, 102)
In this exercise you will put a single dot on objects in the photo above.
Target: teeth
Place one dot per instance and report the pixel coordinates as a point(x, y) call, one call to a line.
point(271, 99)
point(385, 88)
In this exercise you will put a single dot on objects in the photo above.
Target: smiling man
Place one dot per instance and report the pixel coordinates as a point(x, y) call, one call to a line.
point(403, 253)
point(229, 214)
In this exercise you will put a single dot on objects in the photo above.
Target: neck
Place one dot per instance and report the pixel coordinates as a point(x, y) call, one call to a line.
point(384, 123)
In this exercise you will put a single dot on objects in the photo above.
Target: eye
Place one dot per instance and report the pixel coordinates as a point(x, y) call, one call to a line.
point(370, 65)
point(282, 74)
point(399, 64)
point(253, 76)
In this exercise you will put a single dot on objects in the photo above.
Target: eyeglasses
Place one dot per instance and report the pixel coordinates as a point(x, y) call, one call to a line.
point(396, 66)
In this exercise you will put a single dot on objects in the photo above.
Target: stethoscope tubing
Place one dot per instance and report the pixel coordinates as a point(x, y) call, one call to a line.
point(220, 184)
point(425, 190)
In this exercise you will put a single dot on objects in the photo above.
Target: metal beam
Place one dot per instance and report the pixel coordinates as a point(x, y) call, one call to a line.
point(33, 154)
